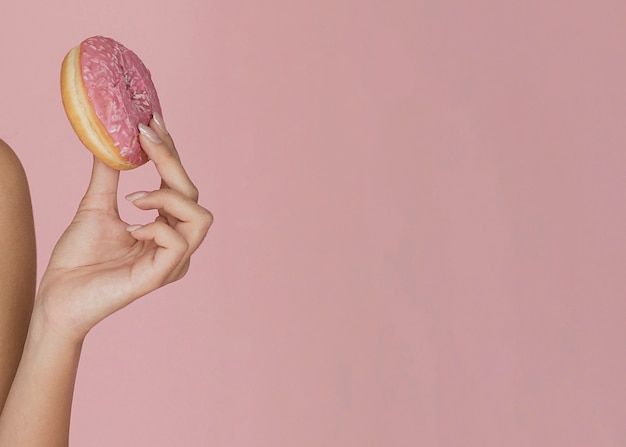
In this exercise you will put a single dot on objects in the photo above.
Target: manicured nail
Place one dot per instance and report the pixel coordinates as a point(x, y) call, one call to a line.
point(132, 228)
point(136, 195)
point(149, 133)
point(159, 120)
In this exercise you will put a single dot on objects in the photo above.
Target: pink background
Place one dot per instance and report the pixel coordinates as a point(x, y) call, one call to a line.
point(420, 233)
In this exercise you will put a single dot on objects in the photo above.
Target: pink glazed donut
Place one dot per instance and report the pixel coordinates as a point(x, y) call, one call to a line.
point(107, 91)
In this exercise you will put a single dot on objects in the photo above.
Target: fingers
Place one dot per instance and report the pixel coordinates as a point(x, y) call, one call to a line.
point(176, 201)
point(158, 144)
point(192, 221)
point(167, 259)
point(102, 190)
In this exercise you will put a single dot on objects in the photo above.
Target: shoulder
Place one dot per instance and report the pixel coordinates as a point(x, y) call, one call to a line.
point(13, 183)
point(10, 167)
point(16, 215)
point(6, 154)
point(12, 173)
point(16, 219)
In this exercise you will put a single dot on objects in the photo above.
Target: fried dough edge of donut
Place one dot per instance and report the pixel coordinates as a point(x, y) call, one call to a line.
point(82, 117)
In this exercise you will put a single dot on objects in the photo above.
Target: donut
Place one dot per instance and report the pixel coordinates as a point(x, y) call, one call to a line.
point(107, 91)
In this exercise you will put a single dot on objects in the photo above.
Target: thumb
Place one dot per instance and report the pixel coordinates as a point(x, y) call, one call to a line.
point(102, 190)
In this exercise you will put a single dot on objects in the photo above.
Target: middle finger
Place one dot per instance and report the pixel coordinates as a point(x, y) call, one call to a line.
point(192, 220)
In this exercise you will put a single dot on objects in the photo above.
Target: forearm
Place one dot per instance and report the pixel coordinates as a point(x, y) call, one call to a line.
point(37, 410)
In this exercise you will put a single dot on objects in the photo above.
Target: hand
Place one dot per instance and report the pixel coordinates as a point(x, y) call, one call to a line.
point(100, 264)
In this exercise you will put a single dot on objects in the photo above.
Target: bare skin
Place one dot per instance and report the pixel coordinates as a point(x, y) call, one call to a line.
point(17, 265)
point(98, 266)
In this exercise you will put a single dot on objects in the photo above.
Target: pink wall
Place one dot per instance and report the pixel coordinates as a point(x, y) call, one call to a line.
point(420, 233)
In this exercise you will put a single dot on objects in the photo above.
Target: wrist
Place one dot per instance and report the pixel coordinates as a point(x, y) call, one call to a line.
point(44, 328)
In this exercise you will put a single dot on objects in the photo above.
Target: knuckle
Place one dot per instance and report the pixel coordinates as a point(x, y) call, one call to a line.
point(165, 157)
point(182, 245)
point(193, 193)
point(206, 218)
point(169, 152)
point(184, 268)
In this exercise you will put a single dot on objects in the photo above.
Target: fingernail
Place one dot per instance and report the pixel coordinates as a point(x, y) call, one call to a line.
point(136, 195)
point(159, 120)
point(132, 228)
point(149, 133)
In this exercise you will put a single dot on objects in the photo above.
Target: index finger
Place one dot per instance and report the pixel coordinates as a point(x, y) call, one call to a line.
point(161, 150)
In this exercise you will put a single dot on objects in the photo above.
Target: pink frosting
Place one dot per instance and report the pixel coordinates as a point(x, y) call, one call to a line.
point(121, 92)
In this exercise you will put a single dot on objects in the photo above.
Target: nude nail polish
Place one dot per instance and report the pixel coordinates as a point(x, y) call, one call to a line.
point(149, 133)
point(156, 116)
point(136, 195)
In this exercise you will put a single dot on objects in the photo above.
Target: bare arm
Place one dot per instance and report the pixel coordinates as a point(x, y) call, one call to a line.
point(42, 389)
point(17, 265)
point(37, 411)
point(99, 265)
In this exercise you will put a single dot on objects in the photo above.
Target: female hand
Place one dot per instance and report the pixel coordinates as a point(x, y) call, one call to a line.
point(100, 264)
